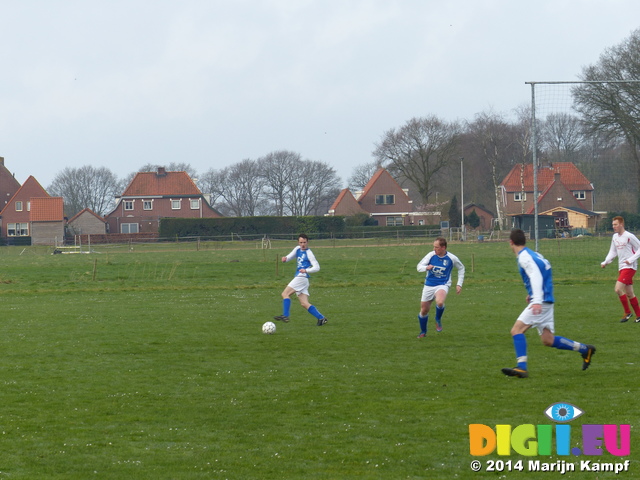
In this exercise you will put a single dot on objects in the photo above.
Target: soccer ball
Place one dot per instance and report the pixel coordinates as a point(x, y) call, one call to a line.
point(269, 328)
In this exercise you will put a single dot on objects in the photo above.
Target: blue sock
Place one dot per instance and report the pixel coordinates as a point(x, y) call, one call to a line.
point(286, 306)
point(439, 312)
point(566, 344)
point(520, 345)
point(423, 323)
point(314, 311)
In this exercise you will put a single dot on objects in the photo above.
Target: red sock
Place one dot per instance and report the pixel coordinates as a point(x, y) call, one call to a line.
point(625, 304)
point(636, 307)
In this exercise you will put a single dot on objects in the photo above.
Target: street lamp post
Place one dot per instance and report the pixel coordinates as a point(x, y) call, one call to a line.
point(462, 196)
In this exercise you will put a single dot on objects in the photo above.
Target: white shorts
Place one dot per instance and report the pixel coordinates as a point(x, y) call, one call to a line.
point(300, 285)
point(542, 321)
point(429, 293)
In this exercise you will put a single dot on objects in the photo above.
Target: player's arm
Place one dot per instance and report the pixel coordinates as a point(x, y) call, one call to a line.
point(460, 267)
point(635, 243)
point(315, 266)
point(424, 263)
point(291, 255)
point(610, 256)
point(535, 279)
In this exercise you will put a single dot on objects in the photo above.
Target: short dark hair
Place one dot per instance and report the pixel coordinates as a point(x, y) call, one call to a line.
point(303, 235)
point(442, 241)
point(518, 237)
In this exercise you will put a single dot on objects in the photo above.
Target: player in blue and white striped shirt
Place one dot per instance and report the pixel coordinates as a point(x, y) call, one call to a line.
point(306, 263)
point(438, 264)
point(538, 280)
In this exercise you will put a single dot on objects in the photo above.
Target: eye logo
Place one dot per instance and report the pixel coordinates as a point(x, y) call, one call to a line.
point(563, 412)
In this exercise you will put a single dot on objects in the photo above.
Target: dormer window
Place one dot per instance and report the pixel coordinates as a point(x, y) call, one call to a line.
point(385, 199)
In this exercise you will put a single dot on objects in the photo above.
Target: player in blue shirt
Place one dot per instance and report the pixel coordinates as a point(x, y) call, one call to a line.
point(538, 280)
point(438, 264)
point(306, 264)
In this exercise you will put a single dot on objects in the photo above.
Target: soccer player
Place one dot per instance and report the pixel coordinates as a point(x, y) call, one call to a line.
point(438, 264)
point(626, 246)
point(306, 264)
point(538, 280)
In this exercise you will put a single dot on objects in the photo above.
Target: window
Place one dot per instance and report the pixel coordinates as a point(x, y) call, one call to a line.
point(520, 197)
point(17, 229)
point(175, 204)
point(129, 228)
point(394, 222)
point(128, 204)
point(147, 204)
point(195, 203)
point(385, 199)
point(580, 194)
point(18, 206)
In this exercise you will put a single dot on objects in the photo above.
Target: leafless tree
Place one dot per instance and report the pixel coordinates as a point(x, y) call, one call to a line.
point(242, 188)
point(361, 175)
point(278, 170)
point(613, 107)
point(419, 150)
point(561, 136)
point(211, 184)
point(313, 184)
point(492, 136)
point(86, 187)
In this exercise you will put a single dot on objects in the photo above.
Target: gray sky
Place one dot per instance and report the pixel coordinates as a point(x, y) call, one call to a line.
point(120, 84)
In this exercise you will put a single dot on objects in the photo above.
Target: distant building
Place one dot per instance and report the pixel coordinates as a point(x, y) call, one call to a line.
point(385, 201)
point(559, 185)
point(152, 196)
point(32, 212)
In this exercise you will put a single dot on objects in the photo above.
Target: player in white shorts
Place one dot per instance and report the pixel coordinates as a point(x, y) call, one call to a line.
point(536, 274)
point(306, 263)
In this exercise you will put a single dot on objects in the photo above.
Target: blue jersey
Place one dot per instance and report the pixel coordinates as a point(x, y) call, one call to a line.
point(304, 259)
point(536, 274)
point(440, 274)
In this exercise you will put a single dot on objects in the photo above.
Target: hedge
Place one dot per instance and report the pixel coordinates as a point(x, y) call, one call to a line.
point(213, 227)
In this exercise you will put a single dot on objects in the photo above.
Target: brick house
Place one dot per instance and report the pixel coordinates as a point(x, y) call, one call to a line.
point(152, 196)
point(32, 212)
point(385, 201)
point(47, 221)
point(486, 216)
point(8, 184)
point(559, 184)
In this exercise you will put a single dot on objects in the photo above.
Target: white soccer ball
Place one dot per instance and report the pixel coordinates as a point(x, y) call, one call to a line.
point(269, 328)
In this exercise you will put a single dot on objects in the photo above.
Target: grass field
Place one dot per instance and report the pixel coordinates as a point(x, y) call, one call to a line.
point(150, 363)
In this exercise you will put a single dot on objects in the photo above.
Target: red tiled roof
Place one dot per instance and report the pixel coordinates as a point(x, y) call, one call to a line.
point(161, 184)
point(47, 209)
point(340, 197)
point(372, 181)
point(571, 177)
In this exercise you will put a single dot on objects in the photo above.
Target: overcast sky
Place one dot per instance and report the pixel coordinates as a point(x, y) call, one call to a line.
point(120, 84)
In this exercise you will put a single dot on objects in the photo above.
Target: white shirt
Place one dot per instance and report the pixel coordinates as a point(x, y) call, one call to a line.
point(626, 247)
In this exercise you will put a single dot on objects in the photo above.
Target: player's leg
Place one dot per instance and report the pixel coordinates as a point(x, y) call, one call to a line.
point(286, 304)
point(423, 317)
point(522, 324)
point(428, 295)
point(621, 291)
point(304, 301)
point(633, 300)
point(441, 296)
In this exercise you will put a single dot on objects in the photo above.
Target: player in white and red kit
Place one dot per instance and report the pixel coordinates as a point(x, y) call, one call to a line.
point(626, 246)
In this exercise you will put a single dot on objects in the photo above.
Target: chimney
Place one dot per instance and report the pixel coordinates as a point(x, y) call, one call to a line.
point(161, 172)
point(1, 160)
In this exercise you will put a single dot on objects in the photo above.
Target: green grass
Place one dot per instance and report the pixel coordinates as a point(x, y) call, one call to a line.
point(150, 364)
